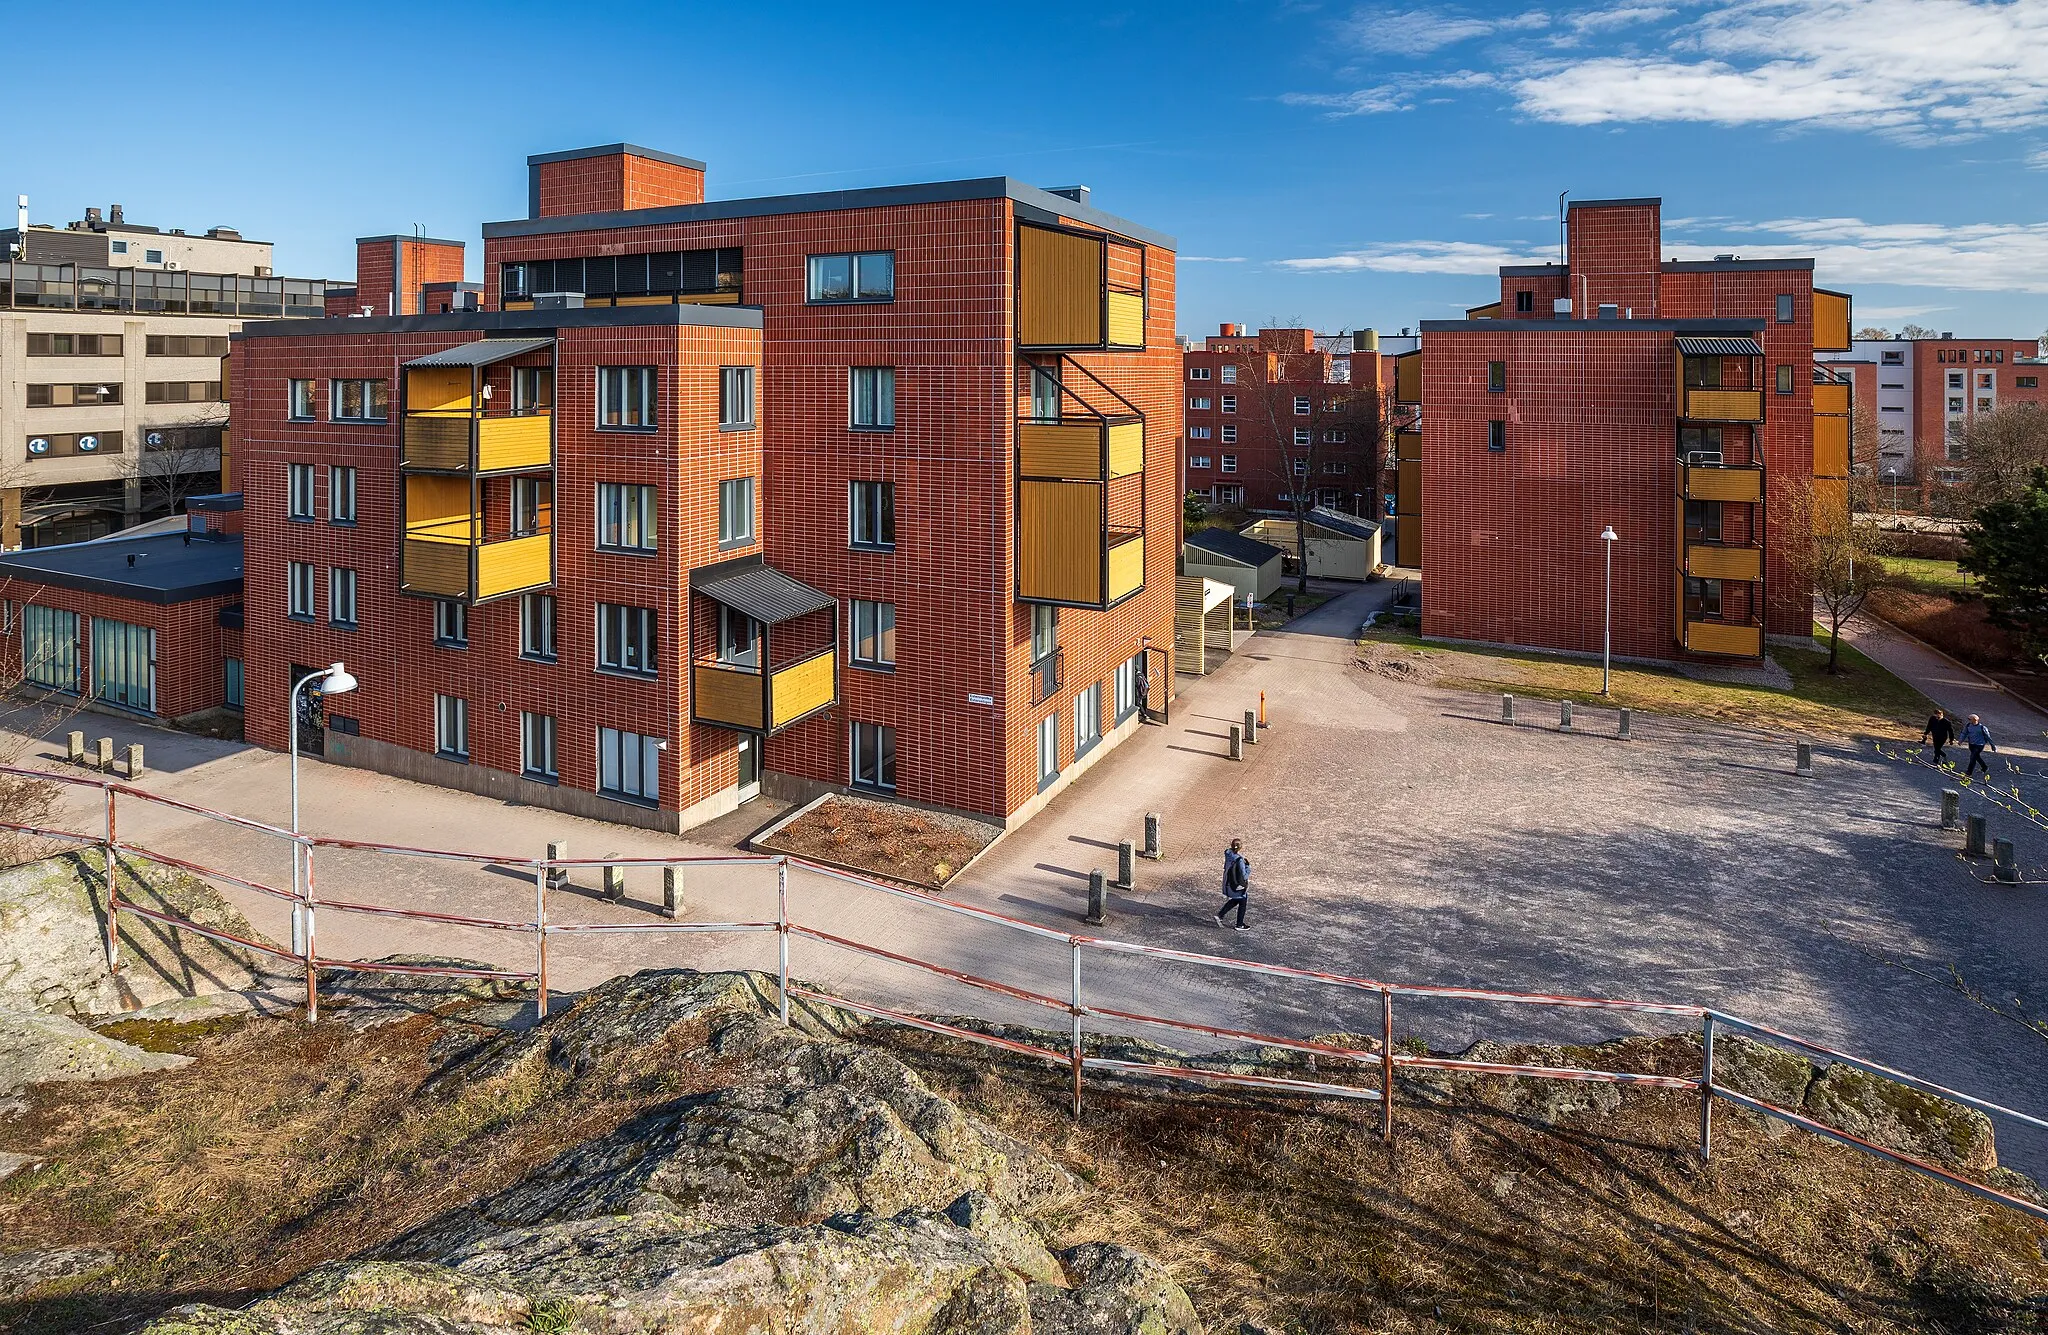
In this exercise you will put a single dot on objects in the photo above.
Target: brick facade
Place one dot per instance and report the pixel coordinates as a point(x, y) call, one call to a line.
point(1254, 454)
point(612, 180)
point(391, 271)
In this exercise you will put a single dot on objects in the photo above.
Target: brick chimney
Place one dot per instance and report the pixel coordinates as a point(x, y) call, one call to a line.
point(610, 179)
point(391, 271)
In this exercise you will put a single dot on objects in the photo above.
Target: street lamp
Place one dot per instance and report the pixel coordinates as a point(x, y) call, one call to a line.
point(1608, 537)
point(1892, 476)
point(332, 680)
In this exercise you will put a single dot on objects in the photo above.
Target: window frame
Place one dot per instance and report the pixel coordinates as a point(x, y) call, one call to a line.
point(643, 511)
point(628, 640)
point(451, 624)
point(1496, 377)
point(343, 589)
point(1787, 311)
point(301, 502)
point(451, 709)
point(545, 768)
point(729, 535)
point(539, 631)
point(879, 398)
point(854, 266)
point(647, 763)
point(369, 389)
point(302, 400)
point(881, 511)
point(1496, 436)
point(619, 382)
point(301, 584)
point(1201, 461)
point(1088, 705)
point(1227, 463)
point(1785, 383)
point(880, 738)
point(881, 657)
point(1304, 405)
point(341, 487)
point(736, 398)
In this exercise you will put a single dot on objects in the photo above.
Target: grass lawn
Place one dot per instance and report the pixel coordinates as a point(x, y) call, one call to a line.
point(1929, 575)
point(1862, 700)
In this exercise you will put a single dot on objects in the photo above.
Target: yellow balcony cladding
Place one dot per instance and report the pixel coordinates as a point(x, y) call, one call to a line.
point(1067, 553)
point(1723, 405)
point(1745, 485)
point(1725, 639)
point(757, 606)
point(735, 697)
point(1408, 377)
point(1087, 450)
point(1066, 297)
point(447, 427)
point(1831, 321)
point(1710, 560)
point(444, 561)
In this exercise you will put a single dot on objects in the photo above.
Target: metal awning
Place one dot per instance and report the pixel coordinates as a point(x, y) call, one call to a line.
point(483, 352)
point(1719, 347)
point(765, 594)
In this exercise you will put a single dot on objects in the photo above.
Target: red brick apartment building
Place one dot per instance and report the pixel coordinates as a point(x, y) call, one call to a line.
point(1239, 454)
point(1668, 399)
point(1922, 393)
point(871, 489)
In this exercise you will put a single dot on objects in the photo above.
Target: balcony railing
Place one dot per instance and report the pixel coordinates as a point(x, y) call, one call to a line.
point(1065, 297)
point(65, 287)
point(1729, 561)
point(449, 558)
point(460, 440)
point(1727, 639)
point(1067, 552)
point(753, 701)
point(1089, 450)
point(1723, 405)
point(1739, 483)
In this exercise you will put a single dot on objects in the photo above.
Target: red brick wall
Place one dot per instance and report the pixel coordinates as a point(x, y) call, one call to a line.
point(376, 279)
point(614, 182)
point(389, 290)
point(1276, 363)
point(423, 262)
point(1612, 252)
point(1931, 393)
point(191, 644)
point(1544, 290)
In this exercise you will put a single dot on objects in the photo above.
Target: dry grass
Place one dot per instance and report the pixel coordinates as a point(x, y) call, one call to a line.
point(1297, 1217)
point(921, 848)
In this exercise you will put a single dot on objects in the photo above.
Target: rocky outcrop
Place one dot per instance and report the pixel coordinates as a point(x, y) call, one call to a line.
point(35, 1048)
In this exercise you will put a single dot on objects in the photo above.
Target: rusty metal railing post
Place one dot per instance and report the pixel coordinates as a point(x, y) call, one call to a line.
point(1386, 1063)
point(782, 935)
point(1706, 1086)
point(111, 863)
point(1074, 1052)
point(541, 873)
point(305, 849)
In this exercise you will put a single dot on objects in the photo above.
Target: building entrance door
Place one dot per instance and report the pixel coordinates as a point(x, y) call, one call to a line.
point(750, 767)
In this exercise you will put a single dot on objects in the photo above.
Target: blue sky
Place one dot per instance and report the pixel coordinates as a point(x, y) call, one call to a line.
point(1329, 164)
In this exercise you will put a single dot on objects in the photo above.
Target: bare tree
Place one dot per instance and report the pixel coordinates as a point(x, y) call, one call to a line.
point(1871, 333)
point(1825, 550)
point(175, 463)
point(2001, 449)
point(1917, 331)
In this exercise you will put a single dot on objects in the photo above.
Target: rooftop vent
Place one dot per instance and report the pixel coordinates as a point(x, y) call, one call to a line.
point(1077, 193)
point(1722, 259)
point(1561, 308)
point(1947, 334)
point(114, 213)
point(557, 301)
point(1609, 311)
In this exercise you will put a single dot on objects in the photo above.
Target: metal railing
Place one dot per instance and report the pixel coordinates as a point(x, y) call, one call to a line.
point(1381, 1056)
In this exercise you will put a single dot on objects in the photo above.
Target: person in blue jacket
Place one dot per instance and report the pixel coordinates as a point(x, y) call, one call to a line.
point(1237, 883)
point(1976, 736)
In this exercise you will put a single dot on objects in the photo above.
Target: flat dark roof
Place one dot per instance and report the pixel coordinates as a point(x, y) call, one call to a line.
point(1234, 546)
point(1720, 326)
point(538, 322)
point(423, 240)
point(608, 150)
point(1671, 266)
point(1047, 207)
point(167, 569)
point(1530, 270)
point(1657, 200)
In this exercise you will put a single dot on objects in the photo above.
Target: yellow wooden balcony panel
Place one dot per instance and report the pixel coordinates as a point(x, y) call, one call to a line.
point(1724, 405)
point(1831, 447)
point(435, 566)
point(1831, 321)
point(703, 299)
point(514, 442)
point(1059, 289)
point(1126, 567)
point(1059, 542)
point(1408, 541)
point(437, 389)
point(436, 442)
point(1705, 560)
point(1830, 398)
point(1745, 485)
point(1408, 487)
point(728, 696)
point(1408, 377)
point(1127, 319)
point(514, 565)
point(1059, 449)
point(1126, 448)
point(1408, 446)
point(807, 685)
point(516, 305)
point(1717, 637)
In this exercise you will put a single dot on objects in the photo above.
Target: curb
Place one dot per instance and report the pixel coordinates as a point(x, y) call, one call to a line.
point(1991, 682)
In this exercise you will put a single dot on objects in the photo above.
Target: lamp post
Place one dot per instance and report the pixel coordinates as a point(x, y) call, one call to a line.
point(1892, 476)
point(332, 680)
point(1608, 537)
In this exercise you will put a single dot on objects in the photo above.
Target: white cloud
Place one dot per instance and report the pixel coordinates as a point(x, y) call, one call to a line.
point(1459, 257)
point(1417, 32)
point(1978, 257)
point(1387, 97)
point(1210, 259)
point(1896, 312)
point(1622, 16)
point(2038, 159)
point(1619, 88)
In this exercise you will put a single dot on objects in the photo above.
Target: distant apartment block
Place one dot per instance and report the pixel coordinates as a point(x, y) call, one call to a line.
point(1922, 392)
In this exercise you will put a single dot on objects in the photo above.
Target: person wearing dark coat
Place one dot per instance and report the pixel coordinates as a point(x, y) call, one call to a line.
point(1939, 730)
point(1237, 883)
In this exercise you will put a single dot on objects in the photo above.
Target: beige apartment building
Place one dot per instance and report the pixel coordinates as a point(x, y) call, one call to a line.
point(112, 409)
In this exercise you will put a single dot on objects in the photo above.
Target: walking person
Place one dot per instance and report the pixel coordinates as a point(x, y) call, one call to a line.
point(1976, 736)
point(1237, 883)
point(1939, 730)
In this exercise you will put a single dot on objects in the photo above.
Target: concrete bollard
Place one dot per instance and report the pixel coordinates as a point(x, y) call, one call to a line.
point(1152, 850)
point(671, 891)
point(1802, 760)
point(1951, 808)
point(1621, 728)
point(2004, 862)
point(1098, 897)
point(1973, 836)
point(103, 755)
point(1236, 742)
point(1507, 709)
point(614, 883)
point(74, 747)
point(1564, 716)
point(134, 761)
point(1126, 865)
point(557, 876)
point(1251, 725)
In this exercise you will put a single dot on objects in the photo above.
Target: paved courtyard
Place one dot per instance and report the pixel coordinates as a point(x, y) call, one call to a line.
point(1396, 831)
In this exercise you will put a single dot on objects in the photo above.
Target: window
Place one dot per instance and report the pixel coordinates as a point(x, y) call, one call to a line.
point(873, 746)
point(66, 396)
point(341, 494)
point(124, 664)
point(533, 390)
point(628, 765)
point(735, 397)
point(1333, 437)
point(182, 391)
point(739, 639)
point(70, 444)
point(1229, 436)
point(451, 624)
point(1702, 597)
point(1200, 405)
point(1302, 406)
point(532, 505)
point(537, 746)
point(74, 345)
point(1983, 405)
point(341, 596)
point(49, 647)
point(625, 517)
point(871, 515)
point(1891, 408)
point(871, 397)
point(1525, 302)
point(1303, 437)
point(184, 345)
point(1703, 521)
point(1496, 377)
point(1045, 393)
point(304, 406)
point(1226, 495)
point(1784, 380)
point(298, 589)
point(1198, 373)
point(1048, 750)
point(1786, 313)
point(874, 634)
point(868, 276)
point(537, 626)
point(627, 639)
point(117, 247)
point(1984, 380)
point(1300, 467)
point(152, 257)
point(1126, 686)
point(735, 512)
point(625, 398)
point(1198, 461)
point(1496, 436)
point(1334, 468)
point(1894, 358)
point(231, 682)
point(1087, 719)
point(1230, 463)
point(1955, 379)
point(451, 727)
point(1955, 405)
point(1045, 632)
point(2026, 382)
point(1230, 403)
point(1198, 433)
point(358, 401)
point(1229, 375)
point(299, 500)
point(1702, 372)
